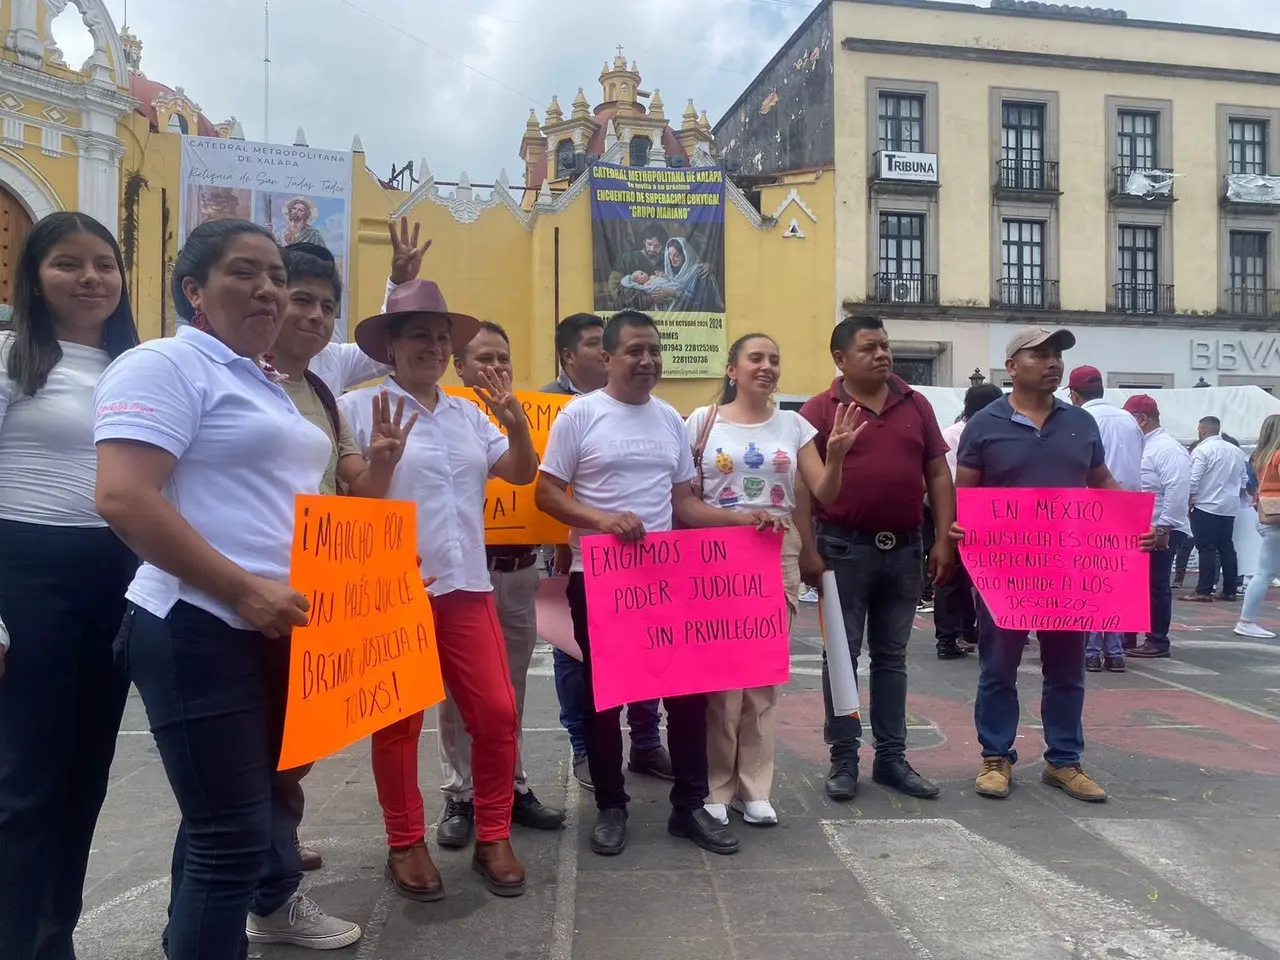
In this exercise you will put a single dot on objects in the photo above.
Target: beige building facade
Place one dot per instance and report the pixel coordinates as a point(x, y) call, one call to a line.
point(1016, 163)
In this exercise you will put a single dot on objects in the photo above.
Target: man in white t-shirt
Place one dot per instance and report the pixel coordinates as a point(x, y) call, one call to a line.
point(627, 457)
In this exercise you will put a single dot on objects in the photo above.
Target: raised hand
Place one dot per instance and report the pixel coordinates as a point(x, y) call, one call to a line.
point(845, 428)
point(406, 255)
point(495, 393)
point(390, 434)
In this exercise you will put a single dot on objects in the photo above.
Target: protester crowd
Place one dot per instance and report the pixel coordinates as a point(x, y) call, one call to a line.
point(146, 522)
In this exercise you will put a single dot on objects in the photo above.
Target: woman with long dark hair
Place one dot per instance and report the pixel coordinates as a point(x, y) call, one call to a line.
point(200, 456)
point(63, 575)
point(750, 455)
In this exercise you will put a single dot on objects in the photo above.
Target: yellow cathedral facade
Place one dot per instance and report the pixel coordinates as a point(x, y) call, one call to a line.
point(104, 139)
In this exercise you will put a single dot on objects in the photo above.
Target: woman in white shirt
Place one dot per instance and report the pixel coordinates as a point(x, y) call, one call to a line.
point(452, 452)
point(200, 457)
point(750, 456)
point(62, 579)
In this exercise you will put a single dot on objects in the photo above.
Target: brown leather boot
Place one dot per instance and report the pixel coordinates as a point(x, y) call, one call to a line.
point(413, 873)
point(310, 859)
point(496, 862)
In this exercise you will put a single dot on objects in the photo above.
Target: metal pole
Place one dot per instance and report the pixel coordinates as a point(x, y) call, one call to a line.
point(266, 74)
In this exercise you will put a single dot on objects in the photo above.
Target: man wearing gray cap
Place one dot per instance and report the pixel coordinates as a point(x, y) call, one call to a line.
point(1030, 438)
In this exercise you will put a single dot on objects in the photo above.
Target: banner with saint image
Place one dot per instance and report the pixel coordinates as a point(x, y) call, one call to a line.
point(300, 194)
point(658, 246)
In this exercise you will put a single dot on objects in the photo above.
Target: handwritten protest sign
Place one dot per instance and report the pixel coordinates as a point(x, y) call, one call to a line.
point(368, 656)
point(689, 611)
point(510, 516)
point(1046, 559)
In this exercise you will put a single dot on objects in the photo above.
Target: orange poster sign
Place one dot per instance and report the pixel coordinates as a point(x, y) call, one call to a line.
point(368, 656)
point(510, 516)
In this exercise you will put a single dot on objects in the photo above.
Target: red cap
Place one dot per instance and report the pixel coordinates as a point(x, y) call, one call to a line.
point(1085, 377)
point(1142, 404)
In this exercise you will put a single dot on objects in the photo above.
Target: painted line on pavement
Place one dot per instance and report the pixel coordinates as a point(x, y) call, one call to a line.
point(945, 887)
point(564, 920)
point(1182, 856)
point(1216, 698)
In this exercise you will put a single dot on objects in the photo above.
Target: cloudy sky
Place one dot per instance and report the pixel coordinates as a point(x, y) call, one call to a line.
point(453, 80)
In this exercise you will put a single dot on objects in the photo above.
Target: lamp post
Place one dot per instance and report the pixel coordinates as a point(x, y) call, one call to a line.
point(976, 379)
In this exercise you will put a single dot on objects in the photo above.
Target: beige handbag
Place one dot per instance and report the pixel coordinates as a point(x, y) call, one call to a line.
point(700, 447)
point(1269, 506)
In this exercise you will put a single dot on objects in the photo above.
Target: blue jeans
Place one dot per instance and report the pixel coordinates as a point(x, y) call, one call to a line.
point(996, 710)
point(61, 699)
point(1162, 562)
point(879, 591)
point(642, 717)
point(1268, 569)
point(215, 699)
point(1096, 644)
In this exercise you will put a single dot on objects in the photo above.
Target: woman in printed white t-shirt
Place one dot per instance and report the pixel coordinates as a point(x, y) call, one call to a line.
point(753, 456)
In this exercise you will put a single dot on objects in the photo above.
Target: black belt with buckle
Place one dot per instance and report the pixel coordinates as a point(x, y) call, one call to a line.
point(511, 562)
point(884, 540)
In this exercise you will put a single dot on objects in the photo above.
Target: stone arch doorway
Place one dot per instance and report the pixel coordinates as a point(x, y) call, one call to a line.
point(15, 223)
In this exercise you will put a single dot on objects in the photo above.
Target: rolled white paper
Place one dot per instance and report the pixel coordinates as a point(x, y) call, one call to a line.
point(840, 672)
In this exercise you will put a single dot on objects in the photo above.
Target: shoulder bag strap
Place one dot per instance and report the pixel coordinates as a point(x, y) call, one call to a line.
point(704, 434)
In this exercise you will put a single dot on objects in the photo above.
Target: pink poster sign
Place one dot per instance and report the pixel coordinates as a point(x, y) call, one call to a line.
point(688, 611)
point(1050, 559)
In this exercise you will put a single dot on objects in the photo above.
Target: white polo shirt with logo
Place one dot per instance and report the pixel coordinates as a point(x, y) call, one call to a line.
point(243, 453)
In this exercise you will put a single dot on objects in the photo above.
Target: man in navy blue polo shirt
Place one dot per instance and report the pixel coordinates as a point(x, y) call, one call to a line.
point(1030, 438)
point(870, 538)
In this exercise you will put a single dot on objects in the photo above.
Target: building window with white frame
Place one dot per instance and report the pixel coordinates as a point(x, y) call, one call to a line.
point(1249, 294)
point(1247, 146)
point(1022, 277)
point(1022, 158)
point(901, 122)
point(901, 277)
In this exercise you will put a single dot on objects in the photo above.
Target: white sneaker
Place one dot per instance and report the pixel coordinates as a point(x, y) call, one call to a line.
point(719, 811)
point(809, 595)
point(302, 923)
point(1246, 629)
point(759, 813)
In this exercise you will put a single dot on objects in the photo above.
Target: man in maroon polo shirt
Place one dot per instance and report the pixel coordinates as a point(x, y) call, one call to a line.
point(871, 539)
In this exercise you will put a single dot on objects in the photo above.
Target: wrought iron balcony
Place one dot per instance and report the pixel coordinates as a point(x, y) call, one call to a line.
point(1253, 302)
point(1139, 184)
point(1030, 294)
point(1015, 175)
point(904, 288)
point(1141, 298)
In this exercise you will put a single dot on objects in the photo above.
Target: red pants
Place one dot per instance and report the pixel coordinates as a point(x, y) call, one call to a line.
point(473, 660)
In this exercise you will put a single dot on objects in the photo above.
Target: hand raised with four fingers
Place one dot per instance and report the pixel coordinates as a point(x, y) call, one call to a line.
point(496, 394)
point(406, 255)
point(390, 433)
point(845, 428)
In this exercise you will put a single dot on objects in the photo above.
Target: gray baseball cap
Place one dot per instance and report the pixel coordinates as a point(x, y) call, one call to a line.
point(1030, 337)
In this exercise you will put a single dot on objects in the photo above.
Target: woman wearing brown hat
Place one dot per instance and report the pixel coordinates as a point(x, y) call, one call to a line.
point(452, 452)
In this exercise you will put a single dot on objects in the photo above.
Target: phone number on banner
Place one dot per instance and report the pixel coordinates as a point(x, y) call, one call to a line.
point(693, 347)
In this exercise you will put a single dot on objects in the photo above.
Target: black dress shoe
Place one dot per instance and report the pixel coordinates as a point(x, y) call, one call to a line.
point(1114, 664)
point(1093, 663)
point(528, 811)
point(898, 775)
point(609, 837)
point(951, 650)
point(842, 780)
point(457, 824)
point(1149, 651)
point(704, 830)
point(582, 772)
point(653, 762)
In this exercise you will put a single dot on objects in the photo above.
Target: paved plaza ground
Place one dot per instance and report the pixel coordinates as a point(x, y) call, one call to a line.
point(1183, 863)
